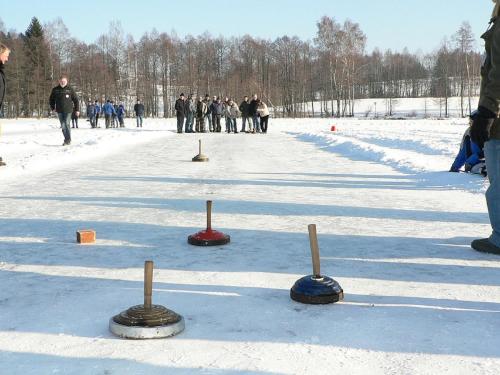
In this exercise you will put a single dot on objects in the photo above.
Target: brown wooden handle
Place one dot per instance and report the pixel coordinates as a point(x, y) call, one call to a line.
point(148, 284)
point(209, 214)
point(313, 240)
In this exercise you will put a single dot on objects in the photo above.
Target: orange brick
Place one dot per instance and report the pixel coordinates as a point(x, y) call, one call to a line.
point(85, 236)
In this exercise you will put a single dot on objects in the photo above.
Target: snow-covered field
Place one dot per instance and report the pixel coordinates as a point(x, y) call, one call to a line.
point(394, 229)
point(402, 107)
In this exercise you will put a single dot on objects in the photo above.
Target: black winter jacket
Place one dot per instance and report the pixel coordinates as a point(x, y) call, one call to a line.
point(180, 107)
point(217, 109)
point(245, 108)
point(139, 109)
point(64, 99)
point(252, 108)
point(2, 85)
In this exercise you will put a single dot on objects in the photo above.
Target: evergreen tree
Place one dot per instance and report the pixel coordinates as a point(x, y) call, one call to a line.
point(37, 68)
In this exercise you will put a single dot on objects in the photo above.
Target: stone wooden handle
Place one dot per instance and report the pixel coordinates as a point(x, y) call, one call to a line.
point(148, 284)
point(209, 214)
point(313, 240)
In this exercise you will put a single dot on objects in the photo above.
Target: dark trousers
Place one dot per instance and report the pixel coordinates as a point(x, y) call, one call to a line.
point(216, 123)
point(209, 119)
point(189, 122)
point(263, 123)
point(180, 123)
point(96, 120)
point(64, 119)
point(212, 125)
point(200, 124)
point(74, 122)
point(233, 126)
point(107, 119)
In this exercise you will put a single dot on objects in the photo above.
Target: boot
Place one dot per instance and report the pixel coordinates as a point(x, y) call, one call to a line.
point(485, 246)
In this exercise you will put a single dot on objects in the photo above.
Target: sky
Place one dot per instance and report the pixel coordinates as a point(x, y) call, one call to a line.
point(419, 25)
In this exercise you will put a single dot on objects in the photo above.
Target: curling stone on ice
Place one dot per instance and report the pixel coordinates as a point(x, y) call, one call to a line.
point(200, 156)
point(316, 289)
point(209, 237)
point(147, 321)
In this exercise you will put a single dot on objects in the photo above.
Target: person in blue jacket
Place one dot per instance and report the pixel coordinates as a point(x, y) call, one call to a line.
point(121, 114)
point(97, 113)
point(108, 111)
point(91, 114)
point(470, 155)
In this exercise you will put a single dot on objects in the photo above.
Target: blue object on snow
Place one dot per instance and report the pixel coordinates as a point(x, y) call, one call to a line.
point(469, 153)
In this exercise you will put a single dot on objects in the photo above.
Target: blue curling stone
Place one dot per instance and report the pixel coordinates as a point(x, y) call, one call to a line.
point(316, 290)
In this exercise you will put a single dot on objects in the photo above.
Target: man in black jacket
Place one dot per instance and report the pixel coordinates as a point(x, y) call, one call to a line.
point(245, 116)
point(64, 101)
point(252, 111)
point(180, 108)
point(4, 57)
point(139, 113)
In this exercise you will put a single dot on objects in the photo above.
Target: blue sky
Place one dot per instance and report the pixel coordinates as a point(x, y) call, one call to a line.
point(395, 24)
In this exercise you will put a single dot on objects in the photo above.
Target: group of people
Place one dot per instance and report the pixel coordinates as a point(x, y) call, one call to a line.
point(206, 111)
point(64, 101)
point(113, 114)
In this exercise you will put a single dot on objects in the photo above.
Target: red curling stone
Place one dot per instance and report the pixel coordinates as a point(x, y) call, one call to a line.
point(209, 237)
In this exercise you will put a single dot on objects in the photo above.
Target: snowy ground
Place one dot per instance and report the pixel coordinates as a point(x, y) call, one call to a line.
point(402, 107)
point(394, 229)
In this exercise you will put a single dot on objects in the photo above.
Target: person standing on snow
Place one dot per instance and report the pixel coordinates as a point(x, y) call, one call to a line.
point(114, 123)
point(64, 101)
point(91, 114)
point(121, 114)
point(190, 111)
point(208, 114)
point(234, 112)
point(485, 129)
point(74, 120)
point(4, 57)
point(217, 111)
point(97, 113)
point(201, 110)
point(263, 112)
point(108, 111)
point(139, 113)
point(245, 117)
point(180, 112)
point(212, 113)
point(227, 113)
point(252, 112)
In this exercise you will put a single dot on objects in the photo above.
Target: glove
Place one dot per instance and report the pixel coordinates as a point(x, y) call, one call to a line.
point(481, 124)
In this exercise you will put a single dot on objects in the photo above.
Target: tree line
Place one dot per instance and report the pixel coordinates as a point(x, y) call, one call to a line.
point(322, 77)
